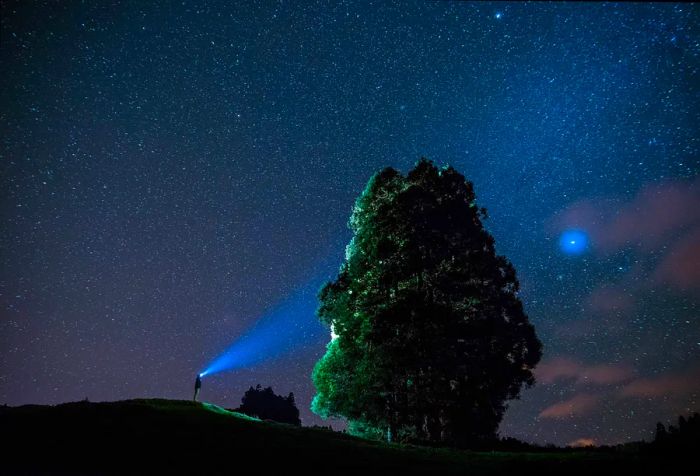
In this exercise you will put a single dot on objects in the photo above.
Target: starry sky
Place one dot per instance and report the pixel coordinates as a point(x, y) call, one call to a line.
point(175, 172)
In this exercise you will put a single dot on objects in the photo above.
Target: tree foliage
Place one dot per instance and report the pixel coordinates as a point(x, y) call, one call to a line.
point(266, 405)
point(432, 339)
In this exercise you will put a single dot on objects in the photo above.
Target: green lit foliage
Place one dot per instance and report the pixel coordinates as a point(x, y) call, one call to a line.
point(432, 339)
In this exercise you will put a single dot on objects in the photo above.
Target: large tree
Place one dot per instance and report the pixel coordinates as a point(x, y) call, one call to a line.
point(430, 339)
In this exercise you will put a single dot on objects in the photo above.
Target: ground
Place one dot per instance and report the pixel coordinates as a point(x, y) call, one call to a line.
point(169, 436)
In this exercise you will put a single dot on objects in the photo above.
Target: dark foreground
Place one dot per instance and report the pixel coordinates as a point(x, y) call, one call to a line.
point(166, 437)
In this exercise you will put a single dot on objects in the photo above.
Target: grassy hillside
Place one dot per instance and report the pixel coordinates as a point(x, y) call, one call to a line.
point(166, 436)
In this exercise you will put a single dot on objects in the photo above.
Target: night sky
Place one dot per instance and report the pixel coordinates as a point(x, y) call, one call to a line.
point(172, 174)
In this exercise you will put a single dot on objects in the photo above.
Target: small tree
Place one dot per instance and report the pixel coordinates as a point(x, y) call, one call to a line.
point(264, 404)
point(432, 339)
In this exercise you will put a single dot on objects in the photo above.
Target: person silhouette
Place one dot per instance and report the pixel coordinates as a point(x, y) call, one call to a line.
point(197, 386)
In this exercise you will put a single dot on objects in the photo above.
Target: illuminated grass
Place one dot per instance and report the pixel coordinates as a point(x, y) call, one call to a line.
point(221, 411)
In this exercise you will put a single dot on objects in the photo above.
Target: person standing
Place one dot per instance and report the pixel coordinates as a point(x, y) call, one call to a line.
point(197, 387)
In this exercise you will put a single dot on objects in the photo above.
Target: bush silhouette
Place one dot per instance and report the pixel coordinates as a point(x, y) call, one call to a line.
point(266, 405)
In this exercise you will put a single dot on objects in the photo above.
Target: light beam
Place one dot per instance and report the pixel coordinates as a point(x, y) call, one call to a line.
point(287, 326)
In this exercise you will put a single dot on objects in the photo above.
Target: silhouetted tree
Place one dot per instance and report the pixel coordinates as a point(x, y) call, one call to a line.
point(684, 439)
point(661, 434)
point(432, 339)
point(266, 405)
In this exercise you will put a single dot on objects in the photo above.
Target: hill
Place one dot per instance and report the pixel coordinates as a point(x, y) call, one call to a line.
point(168, 436)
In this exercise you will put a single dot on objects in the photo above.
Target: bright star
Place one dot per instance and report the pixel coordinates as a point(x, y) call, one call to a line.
point(498, 15)
point(573, 242)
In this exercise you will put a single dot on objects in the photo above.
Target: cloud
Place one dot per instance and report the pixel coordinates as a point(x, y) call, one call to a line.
point(656, 213)
point(660, 225)
point(582, 443)
point(556, 369)
point(671, 388)
point(606, 298)
point(669, 385)
point(607, 374)
point(609, 306)
point(562, 368)
point(680, 267)
point(576, 406)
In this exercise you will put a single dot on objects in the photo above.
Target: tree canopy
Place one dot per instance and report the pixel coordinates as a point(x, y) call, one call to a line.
point(430, 337)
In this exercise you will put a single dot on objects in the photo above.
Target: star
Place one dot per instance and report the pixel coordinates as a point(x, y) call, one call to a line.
point(573, 242)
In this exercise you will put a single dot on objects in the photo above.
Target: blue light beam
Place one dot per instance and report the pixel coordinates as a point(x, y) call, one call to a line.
point(286, 327)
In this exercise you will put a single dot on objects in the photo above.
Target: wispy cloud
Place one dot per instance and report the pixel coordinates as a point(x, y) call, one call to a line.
point(667, 385)
point(563, 368)
point(606, 299)
point(680, 267)
point(577, 406)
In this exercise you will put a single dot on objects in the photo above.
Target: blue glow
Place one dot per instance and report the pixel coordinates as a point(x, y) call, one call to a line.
point(286, 327)
point(498, 15)
point(573, 242)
